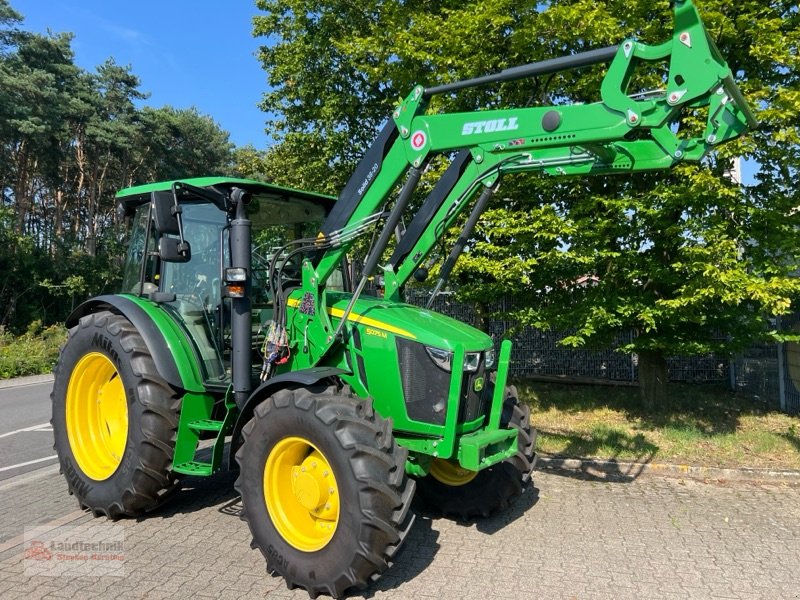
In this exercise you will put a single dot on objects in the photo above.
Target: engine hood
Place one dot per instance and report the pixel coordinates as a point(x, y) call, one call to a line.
point(408, 321)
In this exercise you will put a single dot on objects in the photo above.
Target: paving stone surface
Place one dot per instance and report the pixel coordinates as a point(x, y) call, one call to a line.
point(567, 537)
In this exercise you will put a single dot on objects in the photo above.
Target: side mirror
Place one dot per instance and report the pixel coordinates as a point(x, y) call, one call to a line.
point(165, 213)
point(174, 250)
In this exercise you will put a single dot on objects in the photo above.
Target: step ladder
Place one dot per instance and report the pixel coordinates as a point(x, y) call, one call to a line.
point(195, 420)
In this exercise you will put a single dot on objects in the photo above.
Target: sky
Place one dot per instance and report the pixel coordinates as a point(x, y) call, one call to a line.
point(187, 53)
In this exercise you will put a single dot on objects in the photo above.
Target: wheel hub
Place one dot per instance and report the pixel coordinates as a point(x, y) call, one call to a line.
point(451, 473)
point(311, 482)
point(301, 494)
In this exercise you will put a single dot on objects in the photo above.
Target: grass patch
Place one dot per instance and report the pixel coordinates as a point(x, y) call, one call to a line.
point(32, 353)
point(702, 425)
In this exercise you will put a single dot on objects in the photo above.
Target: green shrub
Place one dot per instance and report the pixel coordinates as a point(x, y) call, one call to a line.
point(34, 352)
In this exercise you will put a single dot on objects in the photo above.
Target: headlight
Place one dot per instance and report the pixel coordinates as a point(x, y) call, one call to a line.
point(472, 360)
point(444, 359)
point(490, 358)
point(441, 358)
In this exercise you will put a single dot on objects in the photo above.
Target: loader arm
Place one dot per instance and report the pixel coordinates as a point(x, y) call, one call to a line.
point(621, 133)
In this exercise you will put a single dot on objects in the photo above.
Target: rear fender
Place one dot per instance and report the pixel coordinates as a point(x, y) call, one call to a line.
point(170, 348)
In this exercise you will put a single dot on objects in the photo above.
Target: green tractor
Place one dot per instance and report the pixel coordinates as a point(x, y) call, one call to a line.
point(241, 320)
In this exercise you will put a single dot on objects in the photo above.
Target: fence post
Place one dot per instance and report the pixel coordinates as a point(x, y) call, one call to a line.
point(732, 373)
point(781, 380)
point(633, 368)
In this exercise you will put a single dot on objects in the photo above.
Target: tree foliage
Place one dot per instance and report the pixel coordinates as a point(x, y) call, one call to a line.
point(69, 139)
point(688, 259)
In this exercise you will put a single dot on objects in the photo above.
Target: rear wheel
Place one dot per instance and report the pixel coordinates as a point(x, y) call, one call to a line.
point(464, 494)
point(114, 418)
point(324, 489)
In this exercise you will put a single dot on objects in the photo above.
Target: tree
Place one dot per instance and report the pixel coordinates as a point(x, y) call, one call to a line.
point(176, 143)
point(689, 260)
point(69, 139)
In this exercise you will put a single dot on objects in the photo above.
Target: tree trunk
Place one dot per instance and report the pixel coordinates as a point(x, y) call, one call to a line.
point(653, 378)
point(481, 317)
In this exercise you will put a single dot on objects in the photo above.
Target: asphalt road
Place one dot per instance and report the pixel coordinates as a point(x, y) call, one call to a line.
point(26, 437)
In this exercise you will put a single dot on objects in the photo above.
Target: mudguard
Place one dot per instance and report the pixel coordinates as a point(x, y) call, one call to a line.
point(305, 377)
point(181, 373)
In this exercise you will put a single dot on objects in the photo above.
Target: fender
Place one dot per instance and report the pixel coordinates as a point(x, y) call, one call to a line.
point(304, 378)
point(162, 350)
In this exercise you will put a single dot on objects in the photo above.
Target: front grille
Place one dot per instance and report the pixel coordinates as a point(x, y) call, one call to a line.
point(473, 403)
point(425, 386)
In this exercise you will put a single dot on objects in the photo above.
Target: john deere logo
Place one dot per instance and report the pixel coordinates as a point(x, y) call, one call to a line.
point(478, 384)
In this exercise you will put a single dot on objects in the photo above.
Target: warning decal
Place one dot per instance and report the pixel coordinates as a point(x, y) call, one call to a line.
point(418, 140)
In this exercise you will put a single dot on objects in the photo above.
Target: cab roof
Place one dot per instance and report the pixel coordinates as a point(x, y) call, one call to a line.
point(136, 195)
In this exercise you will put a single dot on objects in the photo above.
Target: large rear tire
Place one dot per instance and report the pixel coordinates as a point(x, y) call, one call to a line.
point(324, 489)
point(114, 418)
point(457, 492)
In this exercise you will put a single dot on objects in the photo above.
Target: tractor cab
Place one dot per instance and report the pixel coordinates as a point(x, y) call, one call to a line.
point(180, 247)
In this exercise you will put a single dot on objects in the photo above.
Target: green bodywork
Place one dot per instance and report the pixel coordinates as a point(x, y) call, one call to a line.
point(618, 134)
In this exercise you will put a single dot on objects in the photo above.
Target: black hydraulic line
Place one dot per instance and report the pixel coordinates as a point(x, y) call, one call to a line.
point(414, 175)
point(431, 205)
point(472, 221)
point(545, 67)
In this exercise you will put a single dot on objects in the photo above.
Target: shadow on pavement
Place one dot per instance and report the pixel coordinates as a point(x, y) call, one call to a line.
point(611, 471)
point(489, 525)
point(416, 555)
point(197, 493)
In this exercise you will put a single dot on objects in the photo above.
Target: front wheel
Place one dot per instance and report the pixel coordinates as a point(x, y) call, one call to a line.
point(457, 492)
point(324, 489)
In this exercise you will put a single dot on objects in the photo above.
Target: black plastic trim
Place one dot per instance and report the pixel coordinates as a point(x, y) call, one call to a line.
point(359, 182)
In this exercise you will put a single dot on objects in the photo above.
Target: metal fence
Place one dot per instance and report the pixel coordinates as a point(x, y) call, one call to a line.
point(768, 373)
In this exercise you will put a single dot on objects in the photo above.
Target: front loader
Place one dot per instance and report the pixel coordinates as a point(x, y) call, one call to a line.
point(241, 319)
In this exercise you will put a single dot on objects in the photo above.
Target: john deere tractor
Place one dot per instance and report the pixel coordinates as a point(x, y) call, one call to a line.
point(240, 319)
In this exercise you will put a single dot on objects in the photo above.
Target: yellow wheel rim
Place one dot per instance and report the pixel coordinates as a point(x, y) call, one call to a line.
point(97, 416)
point(301, 494)
point(450, 473)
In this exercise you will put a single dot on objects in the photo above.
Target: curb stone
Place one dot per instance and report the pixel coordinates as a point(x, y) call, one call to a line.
point(615, 470)
point(29, 380)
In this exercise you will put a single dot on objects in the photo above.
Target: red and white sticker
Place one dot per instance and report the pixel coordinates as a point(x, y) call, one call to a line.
point(418, 140)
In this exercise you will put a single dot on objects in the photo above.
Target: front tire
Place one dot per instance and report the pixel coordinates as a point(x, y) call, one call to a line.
point(457, 492)
point(324, 489)
point(114, 418)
